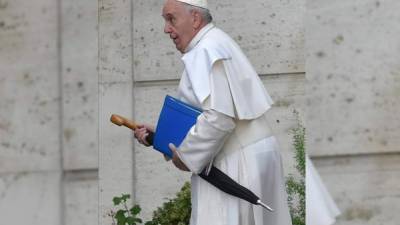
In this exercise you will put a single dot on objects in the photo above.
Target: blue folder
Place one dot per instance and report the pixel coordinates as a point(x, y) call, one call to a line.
point(175, 120)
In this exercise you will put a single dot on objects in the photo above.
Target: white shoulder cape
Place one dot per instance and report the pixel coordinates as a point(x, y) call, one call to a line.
point(250, 98)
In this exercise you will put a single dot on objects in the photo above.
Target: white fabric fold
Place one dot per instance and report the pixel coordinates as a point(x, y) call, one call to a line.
point(250, 98)
point(321, 209)
point(221, 97)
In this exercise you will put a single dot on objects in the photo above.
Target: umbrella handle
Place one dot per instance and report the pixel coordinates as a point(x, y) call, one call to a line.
point(265, 206)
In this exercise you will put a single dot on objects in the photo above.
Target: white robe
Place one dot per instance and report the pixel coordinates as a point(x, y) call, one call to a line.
point(321, 209)
point(232, 134)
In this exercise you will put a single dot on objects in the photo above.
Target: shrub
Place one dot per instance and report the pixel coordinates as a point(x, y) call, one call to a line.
point(296, 187)
point(175, 211)
point(123, 215)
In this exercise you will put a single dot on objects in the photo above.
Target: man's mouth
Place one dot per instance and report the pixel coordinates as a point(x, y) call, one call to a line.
point(174, 39)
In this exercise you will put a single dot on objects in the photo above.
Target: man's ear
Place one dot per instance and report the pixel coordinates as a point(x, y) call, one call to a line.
point(197, 20)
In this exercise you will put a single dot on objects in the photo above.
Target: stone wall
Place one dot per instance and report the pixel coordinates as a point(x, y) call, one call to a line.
point(48, 112)
point(352, 92)
point(116, 167)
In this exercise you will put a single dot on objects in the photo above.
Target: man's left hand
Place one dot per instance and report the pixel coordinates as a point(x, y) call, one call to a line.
point(175, 158)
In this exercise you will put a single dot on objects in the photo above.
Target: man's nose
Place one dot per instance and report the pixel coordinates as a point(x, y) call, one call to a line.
point(167, 28)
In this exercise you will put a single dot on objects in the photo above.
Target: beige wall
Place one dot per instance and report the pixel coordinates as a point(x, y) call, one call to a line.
point(352, 92)
point(48, 112)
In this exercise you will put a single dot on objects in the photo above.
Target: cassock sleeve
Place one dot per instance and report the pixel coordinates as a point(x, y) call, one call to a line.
point(213, 126)
point(205, 139)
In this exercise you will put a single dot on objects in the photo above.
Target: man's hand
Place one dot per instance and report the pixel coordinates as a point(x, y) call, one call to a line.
point(142, 132)
point(175, 158)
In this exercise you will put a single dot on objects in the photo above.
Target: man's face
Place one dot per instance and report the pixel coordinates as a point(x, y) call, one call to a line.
point(178, 24)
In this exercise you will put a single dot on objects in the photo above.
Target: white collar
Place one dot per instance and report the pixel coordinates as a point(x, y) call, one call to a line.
point(196, 39)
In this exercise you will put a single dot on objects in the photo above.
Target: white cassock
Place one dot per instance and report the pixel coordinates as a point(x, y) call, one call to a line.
point(321, 209)
point(232, 134)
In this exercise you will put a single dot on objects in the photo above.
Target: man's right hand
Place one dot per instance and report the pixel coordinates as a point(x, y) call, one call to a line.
point(141, 132)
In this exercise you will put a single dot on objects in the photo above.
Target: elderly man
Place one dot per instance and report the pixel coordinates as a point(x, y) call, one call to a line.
point(232, 132)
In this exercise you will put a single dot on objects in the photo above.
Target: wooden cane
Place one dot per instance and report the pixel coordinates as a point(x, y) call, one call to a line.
point(122, 121)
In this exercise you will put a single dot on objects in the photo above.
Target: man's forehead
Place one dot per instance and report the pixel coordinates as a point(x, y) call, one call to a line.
point(171, 7)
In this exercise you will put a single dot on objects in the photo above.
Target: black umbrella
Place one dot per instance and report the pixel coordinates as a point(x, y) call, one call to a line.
point(215, 176)
point(226, 184)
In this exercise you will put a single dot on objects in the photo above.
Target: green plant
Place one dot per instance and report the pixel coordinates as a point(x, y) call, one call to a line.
point(176, 211)
point(296, 187)
point(125, 216)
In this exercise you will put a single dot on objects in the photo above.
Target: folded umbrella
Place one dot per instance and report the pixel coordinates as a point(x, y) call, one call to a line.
point(215, 176)
point(226, 184)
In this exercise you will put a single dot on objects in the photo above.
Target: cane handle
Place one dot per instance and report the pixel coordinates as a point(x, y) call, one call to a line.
point(122, 121)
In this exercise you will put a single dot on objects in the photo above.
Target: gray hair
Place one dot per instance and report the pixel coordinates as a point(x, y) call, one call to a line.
point(205, 13)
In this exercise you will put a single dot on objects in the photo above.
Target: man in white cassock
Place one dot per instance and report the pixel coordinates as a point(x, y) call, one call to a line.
point(232, 132)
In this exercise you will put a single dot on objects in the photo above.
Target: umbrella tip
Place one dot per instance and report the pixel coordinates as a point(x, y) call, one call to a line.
point(265, 206)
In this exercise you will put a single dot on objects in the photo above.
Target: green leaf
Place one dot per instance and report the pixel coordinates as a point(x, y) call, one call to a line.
point(135, 210)
point(120, 216)
point(130, 221)
point(125, 197)
point(137, 220)
point(116, 200)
